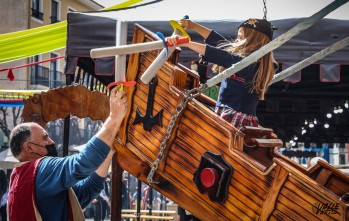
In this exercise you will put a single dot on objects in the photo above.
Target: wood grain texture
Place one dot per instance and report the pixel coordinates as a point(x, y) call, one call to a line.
point(62, 101)
point(257, 189)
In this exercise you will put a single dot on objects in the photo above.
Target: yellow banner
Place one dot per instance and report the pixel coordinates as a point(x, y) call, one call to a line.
point(27, 43)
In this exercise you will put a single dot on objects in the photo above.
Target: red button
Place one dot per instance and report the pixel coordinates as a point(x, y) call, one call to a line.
point(209, 177)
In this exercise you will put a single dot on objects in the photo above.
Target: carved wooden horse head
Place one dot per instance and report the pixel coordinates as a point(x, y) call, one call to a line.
point(60, 102)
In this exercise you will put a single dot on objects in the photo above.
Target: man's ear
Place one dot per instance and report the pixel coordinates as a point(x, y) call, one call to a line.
point(27, 147)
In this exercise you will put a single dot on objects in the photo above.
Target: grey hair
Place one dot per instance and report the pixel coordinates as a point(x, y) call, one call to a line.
point(18, 136)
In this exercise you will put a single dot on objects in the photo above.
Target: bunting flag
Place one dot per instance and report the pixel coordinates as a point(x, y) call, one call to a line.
point(27, 43)
point(11, 103)
point(13, 94)
point(10, 74)
point(14, 98)
point(330, 72)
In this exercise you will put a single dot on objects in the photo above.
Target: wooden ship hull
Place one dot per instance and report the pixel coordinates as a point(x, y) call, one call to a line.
point(213, 170)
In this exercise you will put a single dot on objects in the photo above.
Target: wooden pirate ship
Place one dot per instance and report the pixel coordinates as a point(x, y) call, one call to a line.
point(172, 139)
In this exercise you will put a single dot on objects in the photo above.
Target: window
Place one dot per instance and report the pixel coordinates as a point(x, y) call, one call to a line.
point(34, 69)
point(53, 71)
point(34, 74)
point(39, 74)
point(55, 11)
point(37, 9)
point(56, 79)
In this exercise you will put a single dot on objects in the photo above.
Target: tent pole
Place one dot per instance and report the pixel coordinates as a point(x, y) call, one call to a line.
point(120, 60)
point(308, 61)
point(306, 23)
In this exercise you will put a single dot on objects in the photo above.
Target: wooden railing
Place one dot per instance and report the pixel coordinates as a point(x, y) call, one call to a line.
point(144, 214)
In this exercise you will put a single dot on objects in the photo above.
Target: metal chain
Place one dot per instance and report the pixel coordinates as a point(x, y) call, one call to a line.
point(265, 9)
point(188, 95)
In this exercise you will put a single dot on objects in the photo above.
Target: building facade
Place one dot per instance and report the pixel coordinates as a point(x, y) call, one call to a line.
point(22, 15)
point(28, 14)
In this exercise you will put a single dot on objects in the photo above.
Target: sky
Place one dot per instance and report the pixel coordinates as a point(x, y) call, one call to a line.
point(230, 9)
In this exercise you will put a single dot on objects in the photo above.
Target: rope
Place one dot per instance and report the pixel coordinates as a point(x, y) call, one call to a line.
point(31, 64)
point(306, 23)
point(10, 73)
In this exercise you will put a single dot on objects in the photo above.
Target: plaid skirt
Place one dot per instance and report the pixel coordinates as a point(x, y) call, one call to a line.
point(237, 119)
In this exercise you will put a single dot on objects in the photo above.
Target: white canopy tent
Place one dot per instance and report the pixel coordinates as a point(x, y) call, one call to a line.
point(225, 9)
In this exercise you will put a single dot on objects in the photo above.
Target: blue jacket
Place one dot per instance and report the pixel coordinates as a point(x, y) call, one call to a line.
point(55, 175)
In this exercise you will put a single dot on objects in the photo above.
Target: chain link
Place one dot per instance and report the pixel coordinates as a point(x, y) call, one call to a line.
point(188, 95)
point(265, 9)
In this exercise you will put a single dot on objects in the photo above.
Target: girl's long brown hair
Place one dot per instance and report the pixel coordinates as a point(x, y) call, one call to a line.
point(253, 41)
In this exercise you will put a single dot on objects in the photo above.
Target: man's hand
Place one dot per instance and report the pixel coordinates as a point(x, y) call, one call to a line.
point(118, 103)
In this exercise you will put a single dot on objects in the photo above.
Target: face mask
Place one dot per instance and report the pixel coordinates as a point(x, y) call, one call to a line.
point(51, 149)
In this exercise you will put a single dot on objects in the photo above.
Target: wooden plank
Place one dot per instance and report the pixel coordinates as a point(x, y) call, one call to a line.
point(289, 211)
point(306, 180)
point(249, 178)
point(269, 203)
point(337, 185)
point(278, 216)
point(239, 191)
point(207, 120)
point(268, 143)
point(180, 178)
point(147, 217)
point(256, 132)
point(146, 62)
point(180, 156)
point(301, 206)
point(323, 177)
point(147, 211)
point(310, 196)
point(203, 132)
point(239, 195)
point(193, 139)
point(212, 208)
point(337, 182)
point(157, 106)
point(238, 180)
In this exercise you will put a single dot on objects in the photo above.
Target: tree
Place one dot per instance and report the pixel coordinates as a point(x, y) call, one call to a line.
point(9, 118)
